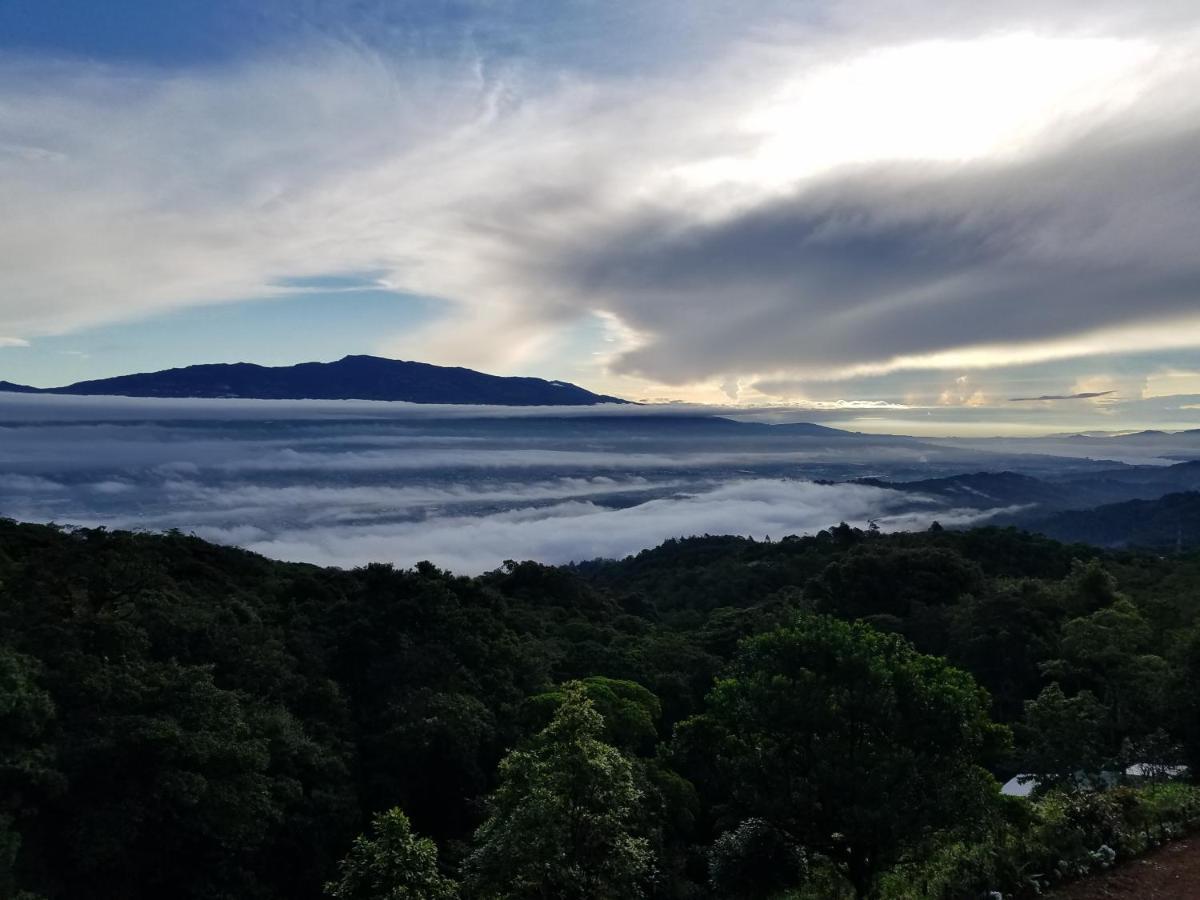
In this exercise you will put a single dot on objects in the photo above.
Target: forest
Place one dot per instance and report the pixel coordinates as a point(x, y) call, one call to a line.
point(807, 717)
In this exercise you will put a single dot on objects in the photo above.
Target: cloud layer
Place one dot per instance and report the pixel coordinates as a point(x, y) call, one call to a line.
point(464, 493)
point(948, 188)
point(580, 530)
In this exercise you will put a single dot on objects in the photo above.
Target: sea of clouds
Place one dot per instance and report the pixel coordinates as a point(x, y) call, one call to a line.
point(466, 493)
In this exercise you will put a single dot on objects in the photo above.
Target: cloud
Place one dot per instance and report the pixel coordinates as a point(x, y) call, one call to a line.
point(349, 492)
point(577, 530)
point(471, 492)
point(1085, 395)
point(910, 266)
point(870, 193)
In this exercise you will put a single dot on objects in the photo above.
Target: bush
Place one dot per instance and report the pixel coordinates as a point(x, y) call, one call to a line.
point(1068, 834)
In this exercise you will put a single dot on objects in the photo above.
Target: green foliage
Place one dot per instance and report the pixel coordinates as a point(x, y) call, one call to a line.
point(753, 861)
point(630, 712)
point(559, 824)
point(1107, 652)
point(851, 743)
point(183, 720)
point(1061, 837)
point(26, 716)
point(391, 863)
point(875, 580)
point(1063, 735)
point(1186, 690)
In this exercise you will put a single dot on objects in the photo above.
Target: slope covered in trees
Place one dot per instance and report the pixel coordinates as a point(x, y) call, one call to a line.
point(1169, 522)
point(186, 720)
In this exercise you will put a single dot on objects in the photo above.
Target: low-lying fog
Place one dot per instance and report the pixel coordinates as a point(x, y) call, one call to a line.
point(345, 484)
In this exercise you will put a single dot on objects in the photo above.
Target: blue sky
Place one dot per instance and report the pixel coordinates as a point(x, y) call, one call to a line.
point(274, 332)
point(832, 204)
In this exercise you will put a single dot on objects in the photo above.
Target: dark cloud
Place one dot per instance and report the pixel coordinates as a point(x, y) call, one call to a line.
point(1087, 395)
point(879, 262)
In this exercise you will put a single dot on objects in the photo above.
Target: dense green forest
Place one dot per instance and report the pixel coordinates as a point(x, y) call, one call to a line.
point(1169, 522)
point(718, 717)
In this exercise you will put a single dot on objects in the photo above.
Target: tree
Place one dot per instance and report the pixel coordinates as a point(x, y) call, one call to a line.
point(26, 772)
point(391, 863)
point(630, 712)
point(1063, 734)
point(850, 743)
point(1186, 690)
point(559, 825)
point(754, 861)
point(1106, 652)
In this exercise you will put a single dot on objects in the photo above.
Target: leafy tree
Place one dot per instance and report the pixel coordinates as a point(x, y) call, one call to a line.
point(391, 863)
point(26, 713)
point(754, 861)
point(851, 744)
point(1063, 734)
point(1187, 691)
point(1106, 652)
point(559, 825)
point(1156, 755)
point(1089, 587)
point(891, 581)
point(26, 756)
point(630, 712)
point(1002, 637)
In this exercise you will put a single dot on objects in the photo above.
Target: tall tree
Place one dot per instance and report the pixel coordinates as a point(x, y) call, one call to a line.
point(850, 743)
point(1063, 735)
point(560, 823)
point(26, 756)
point(391, 863)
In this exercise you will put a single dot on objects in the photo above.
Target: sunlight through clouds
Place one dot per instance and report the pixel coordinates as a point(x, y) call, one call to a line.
point(823, 200)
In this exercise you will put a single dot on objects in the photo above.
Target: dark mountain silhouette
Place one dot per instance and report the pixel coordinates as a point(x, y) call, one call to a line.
point(1170, 522)
point(18, 388)
point(350, 378)
point(1073, 491)
point(983, 490)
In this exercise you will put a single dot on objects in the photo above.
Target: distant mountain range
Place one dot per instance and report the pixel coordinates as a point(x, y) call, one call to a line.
point(350, 378)
point(1168, 523)
point(1151, 507)
point(1068, 491)
point(984, 490)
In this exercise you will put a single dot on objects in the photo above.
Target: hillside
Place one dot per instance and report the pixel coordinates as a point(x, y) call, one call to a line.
point(1167, 523)
point(1092, 503)
point(189, 720)
point(350, 378)
point(984, 490)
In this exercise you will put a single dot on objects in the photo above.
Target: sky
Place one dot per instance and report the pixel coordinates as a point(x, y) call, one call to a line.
point(889, 214)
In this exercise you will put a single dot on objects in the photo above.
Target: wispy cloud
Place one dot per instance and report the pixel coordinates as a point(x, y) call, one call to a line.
point(1085, 395)
point(874, 193)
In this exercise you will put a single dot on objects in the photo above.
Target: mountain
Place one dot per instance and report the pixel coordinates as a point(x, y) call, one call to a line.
point(11, 388)
point(1071, 491)
point(1166, 523)
point(983, 490)
point(350, 378)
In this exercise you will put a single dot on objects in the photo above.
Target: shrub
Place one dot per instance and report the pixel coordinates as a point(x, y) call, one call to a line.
point(1068, 834)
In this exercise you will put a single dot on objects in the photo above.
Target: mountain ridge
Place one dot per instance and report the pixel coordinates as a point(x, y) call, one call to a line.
point(1168, 522)
point(354, 377)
